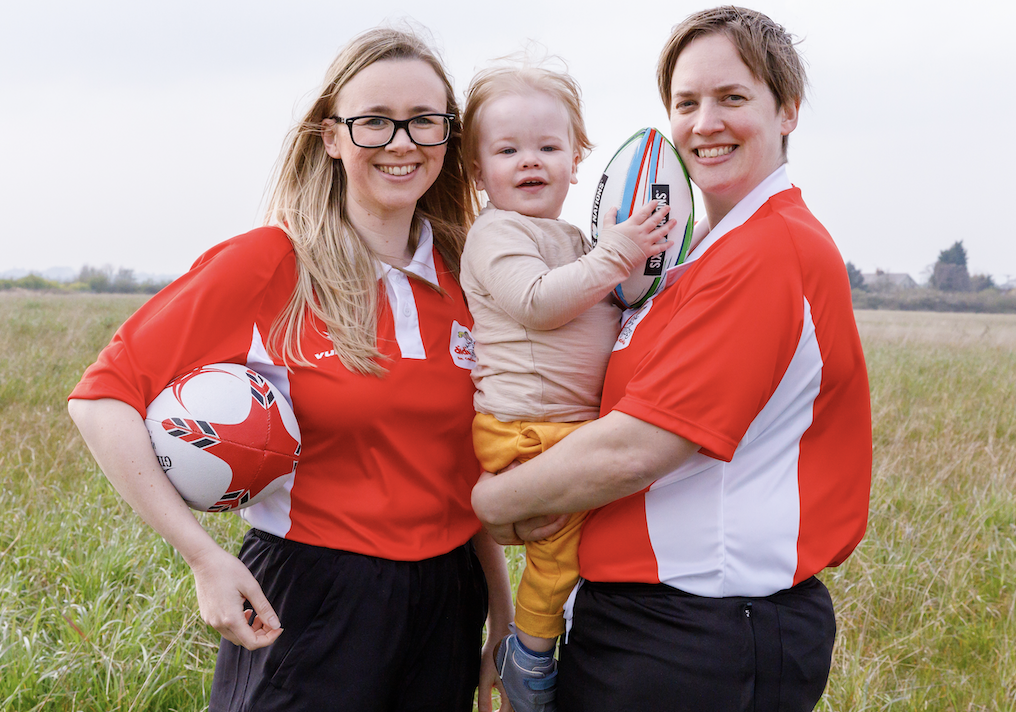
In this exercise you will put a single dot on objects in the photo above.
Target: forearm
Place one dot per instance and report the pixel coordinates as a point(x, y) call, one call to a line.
point(563, 293)
point(542, 291)
point(119, 441)
point(543, 298)
point(500, 614)
point(120, 444)
point(602, 461)
point(500, 610)
point(555, 297)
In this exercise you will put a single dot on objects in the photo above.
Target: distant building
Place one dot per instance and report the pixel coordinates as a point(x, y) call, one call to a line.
point(888, 280)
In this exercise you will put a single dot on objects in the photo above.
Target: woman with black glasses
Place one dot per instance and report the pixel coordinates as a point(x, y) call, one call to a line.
point(363, 572)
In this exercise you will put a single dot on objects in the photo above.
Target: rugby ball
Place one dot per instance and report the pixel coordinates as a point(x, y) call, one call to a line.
point(225, 436)
point(646, 168)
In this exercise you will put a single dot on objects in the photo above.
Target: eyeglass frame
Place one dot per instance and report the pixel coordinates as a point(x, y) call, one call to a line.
point(398, 124)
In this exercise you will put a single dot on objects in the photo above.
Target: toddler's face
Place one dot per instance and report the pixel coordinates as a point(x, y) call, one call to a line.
point(526, 158)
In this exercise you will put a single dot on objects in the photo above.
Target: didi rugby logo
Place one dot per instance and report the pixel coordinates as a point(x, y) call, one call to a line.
point(462, 347)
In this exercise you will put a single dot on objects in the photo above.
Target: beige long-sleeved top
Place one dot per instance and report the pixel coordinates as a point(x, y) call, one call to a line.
point(544, 325)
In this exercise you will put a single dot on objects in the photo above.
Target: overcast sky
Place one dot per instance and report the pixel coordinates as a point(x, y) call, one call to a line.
point(138, 135)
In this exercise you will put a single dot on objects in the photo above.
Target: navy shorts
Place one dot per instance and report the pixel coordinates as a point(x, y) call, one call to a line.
point(359, 633)
point(646, 647)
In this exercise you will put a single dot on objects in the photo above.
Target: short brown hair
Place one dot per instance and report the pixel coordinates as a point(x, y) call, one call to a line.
point(766, 48)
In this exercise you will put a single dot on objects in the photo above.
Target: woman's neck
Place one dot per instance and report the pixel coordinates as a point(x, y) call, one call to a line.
point(387, 235)
point(717, 208)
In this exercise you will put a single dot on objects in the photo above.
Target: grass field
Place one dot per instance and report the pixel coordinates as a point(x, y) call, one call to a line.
point(97, 613)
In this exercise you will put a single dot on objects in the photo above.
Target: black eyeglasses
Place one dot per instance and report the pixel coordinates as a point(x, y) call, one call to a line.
point(378, 131)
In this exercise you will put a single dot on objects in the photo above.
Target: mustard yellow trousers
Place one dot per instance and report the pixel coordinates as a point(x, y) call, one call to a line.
point(552, 565)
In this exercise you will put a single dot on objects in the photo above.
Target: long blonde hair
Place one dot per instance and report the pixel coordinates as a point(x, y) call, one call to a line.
point(336, 270)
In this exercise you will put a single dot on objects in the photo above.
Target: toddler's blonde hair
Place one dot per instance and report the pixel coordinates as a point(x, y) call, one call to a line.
point(521, 77)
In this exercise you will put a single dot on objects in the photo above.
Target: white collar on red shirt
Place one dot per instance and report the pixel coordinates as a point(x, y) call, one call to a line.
point(776, 182)
point(400, 294)
point(422, 264)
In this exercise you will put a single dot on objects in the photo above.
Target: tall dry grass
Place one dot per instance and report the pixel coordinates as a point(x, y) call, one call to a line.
point(98, 613)
point(925, 604)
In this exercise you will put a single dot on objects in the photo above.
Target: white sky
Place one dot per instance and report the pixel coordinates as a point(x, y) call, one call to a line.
point(139, 134)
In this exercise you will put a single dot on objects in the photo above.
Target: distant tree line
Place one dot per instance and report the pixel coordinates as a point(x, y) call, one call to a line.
point(948, 275)
point(90, 279)
point(950, 288)
point(121, 282)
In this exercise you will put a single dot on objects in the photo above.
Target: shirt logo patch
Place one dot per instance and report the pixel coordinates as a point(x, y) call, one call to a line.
point(628, 328)
point(462, 347)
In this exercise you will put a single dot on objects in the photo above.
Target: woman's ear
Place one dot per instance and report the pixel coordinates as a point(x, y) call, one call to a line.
point(788, 122)
point(329, 136)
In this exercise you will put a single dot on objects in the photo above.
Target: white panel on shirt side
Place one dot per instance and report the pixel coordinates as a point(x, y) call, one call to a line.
point(684, 515)
point(259, 360)
point(730, 529)
point(271, 514)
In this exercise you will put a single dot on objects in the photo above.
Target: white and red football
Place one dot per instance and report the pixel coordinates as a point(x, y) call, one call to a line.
point(646, 168)
point(225, 436)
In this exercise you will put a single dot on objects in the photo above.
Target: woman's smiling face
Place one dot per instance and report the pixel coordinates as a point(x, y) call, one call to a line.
point(725, 123)
point(388, 180)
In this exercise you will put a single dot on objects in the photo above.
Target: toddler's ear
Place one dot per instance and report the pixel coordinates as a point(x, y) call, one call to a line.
point(477, 176)
point(575, 168)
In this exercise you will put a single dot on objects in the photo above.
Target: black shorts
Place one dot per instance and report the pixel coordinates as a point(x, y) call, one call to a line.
point(359, 633)
point(644, 647)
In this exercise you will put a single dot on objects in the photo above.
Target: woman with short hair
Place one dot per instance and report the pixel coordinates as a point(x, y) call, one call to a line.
point(732, 459)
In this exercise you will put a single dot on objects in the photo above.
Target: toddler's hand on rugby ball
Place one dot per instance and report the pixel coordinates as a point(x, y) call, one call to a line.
point(644, 227)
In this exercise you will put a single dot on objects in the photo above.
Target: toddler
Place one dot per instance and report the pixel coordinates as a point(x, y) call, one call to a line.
point(544, 323)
